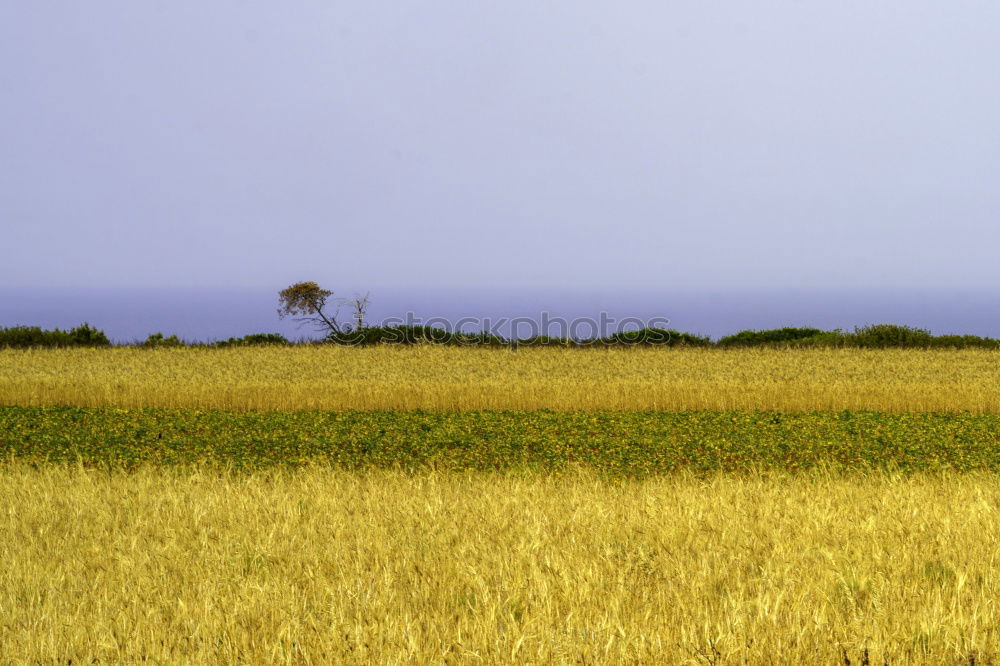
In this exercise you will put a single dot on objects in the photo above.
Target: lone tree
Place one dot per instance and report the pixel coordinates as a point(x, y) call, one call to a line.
point(305, 302)
point(360, 305)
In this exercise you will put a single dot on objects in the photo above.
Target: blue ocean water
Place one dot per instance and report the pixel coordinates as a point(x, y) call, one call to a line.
point(130, 314)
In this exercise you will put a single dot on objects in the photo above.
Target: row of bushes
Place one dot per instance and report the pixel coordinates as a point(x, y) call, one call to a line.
point(877, 336)
point(409, 335)
point(159, 340)
point(87, 336)
point(33, 336)
point(874, 337)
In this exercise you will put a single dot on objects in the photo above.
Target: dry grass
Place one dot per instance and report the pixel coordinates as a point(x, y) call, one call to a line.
point(476, 378)
point(326, 567)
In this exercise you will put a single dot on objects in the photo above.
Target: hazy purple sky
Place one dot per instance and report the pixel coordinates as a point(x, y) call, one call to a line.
point(541, 142)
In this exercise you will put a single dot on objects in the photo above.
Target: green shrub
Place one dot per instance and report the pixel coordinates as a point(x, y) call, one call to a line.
point(885, 336)
point(825, 339)
point(541, 341)
point(878, 336)
point(965, 342)
point(254, 339)
point(768, 337)
point(86, 335)
point(655, 336)
point(158, 340)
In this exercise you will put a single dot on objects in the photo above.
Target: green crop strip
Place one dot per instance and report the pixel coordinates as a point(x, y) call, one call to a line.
point(616, 443)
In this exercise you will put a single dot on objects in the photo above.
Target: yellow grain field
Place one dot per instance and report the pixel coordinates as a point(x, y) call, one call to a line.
point(175, 566)
point(432, 377)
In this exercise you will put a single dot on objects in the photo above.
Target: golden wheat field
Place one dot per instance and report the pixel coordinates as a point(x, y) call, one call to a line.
point(181, 564)
point(430, 377)
point(329, 567)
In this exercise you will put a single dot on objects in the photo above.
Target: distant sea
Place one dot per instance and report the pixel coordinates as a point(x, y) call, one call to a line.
point(130, 314)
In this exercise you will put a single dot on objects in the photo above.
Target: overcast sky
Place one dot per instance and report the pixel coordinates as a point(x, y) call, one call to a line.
point(523, 142)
